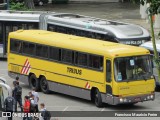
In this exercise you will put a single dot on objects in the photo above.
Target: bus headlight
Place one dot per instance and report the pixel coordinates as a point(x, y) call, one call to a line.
point(121, 99)
point(152, 96)
point(148, 97)
point(125, 100)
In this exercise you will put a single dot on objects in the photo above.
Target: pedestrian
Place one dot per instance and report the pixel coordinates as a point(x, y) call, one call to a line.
point(17, 94)
point(26, 107)
point(9, 105)
point(33, 105)
point(16, 80)
point(29, 94)
point(36, 99)
point(44, 112)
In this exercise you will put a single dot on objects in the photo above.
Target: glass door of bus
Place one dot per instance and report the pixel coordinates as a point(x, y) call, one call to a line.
point(108, 77)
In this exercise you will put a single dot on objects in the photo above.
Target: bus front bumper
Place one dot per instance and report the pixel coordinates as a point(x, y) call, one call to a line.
point(114, 100)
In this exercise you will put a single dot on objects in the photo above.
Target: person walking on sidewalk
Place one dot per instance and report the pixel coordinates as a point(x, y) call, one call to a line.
point(9, 106)
point(17, 94)
point(44, 112)
point(26, 107)
point(16, 80)
point(36, 99)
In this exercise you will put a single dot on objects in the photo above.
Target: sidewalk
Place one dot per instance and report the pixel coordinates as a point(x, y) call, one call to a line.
point(92, 1)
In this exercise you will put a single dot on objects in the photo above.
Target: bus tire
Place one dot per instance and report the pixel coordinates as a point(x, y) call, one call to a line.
point(98, 98)
point(34, 82)
point(44, 85)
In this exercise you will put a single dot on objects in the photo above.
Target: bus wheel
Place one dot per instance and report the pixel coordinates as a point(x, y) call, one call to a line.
point(98, 98)
point(34, 82)
point(44, 85)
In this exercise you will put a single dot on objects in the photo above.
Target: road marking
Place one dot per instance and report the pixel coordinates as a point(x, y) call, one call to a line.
point(73, 106)
point(65, 108)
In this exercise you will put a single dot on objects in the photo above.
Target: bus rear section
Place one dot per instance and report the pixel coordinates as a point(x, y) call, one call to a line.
point(101, 71)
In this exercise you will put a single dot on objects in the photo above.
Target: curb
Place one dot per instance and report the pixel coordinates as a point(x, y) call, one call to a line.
point(92, 1)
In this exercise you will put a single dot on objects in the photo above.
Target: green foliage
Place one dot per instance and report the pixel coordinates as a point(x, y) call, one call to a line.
point(157, 61)
point(18, 6)
point(154, 6)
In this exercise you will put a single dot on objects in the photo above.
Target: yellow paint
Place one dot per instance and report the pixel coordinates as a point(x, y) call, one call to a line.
point(57, 72)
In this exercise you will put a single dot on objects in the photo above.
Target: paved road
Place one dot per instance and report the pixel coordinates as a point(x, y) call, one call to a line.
point(60, 102)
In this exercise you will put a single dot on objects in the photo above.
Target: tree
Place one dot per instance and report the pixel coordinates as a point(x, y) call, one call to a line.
point(153, 9)
point(29, 4)
point(17, 6)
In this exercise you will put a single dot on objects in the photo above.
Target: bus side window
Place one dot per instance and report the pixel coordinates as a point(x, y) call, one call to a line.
point(42, 51)
point(67, 56)
point(96, 62)
point(108, 71)
point(16, 46)
point(81, 59)
point(28, 48)
point(54, 53)
point(1, 34)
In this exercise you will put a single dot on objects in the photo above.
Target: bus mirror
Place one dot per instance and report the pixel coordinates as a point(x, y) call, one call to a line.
point(152, 64)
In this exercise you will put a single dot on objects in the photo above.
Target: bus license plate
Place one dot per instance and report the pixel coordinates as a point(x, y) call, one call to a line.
point(137, 99)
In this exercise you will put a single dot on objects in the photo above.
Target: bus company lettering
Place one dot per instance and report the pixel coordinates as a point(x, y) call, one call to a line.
point(74, 71)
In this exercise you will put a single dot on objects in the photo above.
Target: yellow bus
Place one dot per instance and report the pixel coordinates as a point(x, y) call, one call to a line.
point(101, 71)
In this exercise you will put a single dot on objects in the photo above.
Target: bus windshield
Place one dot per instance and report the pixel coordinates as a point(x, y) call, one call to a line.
point(133, 68)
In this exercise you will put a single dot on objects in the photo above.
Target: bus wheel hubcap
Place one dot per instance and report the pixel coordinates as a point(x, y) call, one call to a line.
point(44, 84)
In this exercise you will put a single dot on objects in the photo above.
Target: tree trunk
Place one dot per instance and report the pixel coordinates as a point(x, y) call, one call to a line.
point(155, 48)
point(29, 4)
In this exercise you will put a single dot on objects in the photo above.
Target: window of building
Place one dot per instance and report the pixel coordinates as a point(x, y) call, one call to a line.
point(67, 56)
point(55, 53)
point(42, 51)
point(81, 59)
point(96, 62)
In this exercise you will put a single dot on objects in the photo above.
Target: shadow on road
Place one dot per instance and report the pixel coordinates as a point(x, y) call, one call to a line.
point(3, 59)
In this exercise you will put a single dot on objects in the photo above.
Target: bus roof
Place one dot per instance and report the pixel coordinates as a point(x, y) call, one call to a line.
point(22, 16)
point(104, 26)
point(78, 43)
